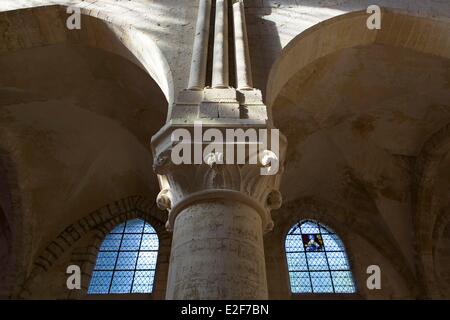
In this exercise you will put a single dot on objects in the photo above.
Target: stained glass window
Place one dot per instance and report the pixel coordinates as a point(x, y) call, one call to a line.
point(317, 261)
point(126, 261)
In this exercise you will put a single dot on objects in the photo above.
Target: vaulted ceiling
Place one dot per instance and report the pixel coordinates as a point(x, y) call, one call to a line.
point(356, 122)
point(76, 123)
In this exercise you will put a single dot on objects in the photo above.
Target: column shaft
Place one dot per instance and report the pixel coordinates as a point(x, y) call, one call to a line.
point(217, 253)
point(220, 74)
point(242, 54)
point(197, 76)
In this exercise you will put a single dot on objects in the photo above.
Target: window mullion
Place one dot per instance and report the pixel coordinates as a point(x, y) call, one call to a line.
point(137, 256)
point(117, 257)
point(307, 263)
point(326, 259)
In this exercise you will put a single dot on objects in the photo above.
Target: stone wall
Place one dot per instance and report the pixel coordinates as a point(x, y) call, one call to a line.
point(78, 108)
point(273, 24)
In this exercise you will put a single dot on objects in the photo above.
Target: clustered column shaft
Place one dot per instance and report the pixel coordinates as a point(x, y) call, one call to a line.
point(242, 54)
point(220, 66)
point(197, 76)
point(220, 74)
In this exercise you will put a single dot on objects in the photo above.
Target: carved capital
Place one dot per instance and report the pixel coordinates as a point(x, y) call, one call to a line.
point(253, 182)
point(162, 163)
point(163, 201)
point(187, 184)
point(274, 200)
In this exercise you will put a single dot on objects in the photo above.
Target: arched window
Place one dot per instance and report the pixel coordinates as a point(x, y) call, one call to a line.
point(317, 261)
point(126, 261)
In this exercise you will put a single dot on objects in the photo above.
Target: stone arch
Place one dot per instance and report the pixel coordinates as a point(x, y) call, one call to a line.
point(46, 25)
point(80, 241)
point(345, 224)
point(85, 255)
point(441, 253)
point(343, 221)
point(317, 217)
point(325, 41)
point(5, 254)
point(11, 227)
point(430, 217)
point(432, 154)
point(350, 30)
point(25, 31)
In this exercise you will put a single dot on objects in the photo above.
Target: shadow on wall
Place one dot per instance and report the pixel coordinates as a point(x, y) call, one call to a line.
point(47, 26)
point(364, 247)
point(94, 132)
point(7, 254)
point(79, 243)
point(264, 44)
point(349, 32)
point(441, 254)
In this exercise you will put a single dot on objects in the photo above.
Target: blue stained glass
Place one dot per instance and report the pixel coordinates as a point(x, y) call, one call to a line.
point(338, 261)
point(147, 260)
point(111, 242)
point(317, 261)
point(131, 241)
point(122, 281)
point(134, 226)
point(321, 282)
point(148, 229)
point(141, 283)
point(300, 282)
point(105, 260)
point(342, 278)
point(295, 230)
point(309, 227)
point(297, 261)
point(292, 244)
point(324, 230)
point(126, 261)
point(119, 229)
point(332, 242)
point(100, 282)
point(150, 242)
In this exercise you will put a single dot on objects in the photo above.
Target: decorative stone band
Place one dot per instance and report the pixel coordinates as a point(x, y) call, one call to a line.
point(221, 194)
point(216, 179)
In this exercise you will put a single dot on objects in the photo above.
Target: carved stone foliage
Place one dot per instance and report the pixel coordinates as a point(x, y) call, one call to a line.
point(203, 182)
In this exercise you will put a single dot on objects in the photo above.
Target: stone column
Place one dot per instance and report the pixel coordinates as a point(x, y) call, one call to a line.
point(242, 54)
point(217, 252)
point(218, 211)
point(220, 72)
point(218, 215)
point(197, 76)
